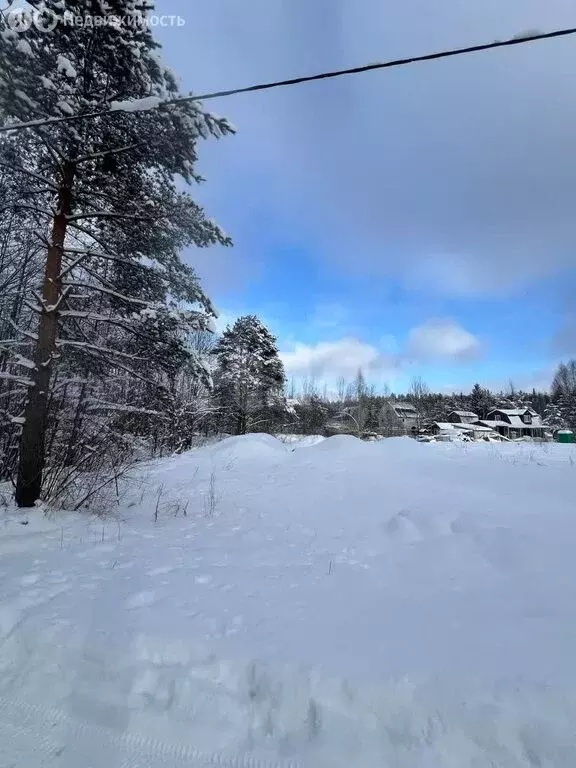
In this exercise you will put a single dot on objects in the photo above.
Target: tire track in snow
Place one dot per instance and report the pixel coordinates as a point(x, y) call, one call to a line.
point(35, 722)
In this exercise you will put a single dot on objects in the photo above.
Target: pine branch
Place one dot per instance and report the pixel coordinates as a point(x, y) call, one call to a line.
point(27, 334)
point(103, 215)
point(108, 292)
point(93, 236)
point(37, 308)
point(23, 207)
point(98, 405)
point(74, 264)
point(13, 392)
point(87, 254)
point(20, 379)
point(7, 343)
point(20, 169)
point(132, 373)
point(98, 155)
point(94, 347)
point(95, 317)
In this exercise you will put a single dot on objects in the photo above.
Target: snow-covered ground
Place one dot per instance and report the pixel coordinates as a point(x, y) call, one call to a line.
point(344, 604)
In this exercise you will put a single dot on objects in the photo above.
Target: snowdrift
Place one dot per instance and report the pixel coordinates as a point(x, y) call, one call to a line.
point(345, 603)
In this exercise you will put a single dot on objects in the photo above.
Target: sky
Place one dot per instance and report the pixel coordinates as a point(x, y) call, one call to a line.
point(413, 222)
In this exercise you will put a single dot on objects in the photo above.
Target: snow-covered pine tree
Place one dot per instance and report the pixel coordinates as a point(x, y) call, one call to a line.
point(102, 196)
point(250, 378)
point(312, 413)
point(553, 416)
point(443, 407)
point(568, 405)
point(564, 393)
point(539, 400)
point(481, 401)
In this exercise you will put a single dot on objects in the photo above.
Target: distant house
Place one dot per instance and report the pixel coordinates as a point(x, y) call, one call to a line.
point(453, 430)
point(514, 422)
point(462, 417)
point(399, 417)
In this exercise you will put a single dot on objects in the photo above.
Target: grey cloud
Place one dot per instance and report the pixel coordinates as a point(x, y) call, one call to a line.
point(330, 359)
point(459, 175)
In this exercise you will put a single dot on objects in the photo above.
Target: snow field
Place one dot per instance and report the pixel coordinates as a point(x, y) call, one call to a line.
point(345, 603)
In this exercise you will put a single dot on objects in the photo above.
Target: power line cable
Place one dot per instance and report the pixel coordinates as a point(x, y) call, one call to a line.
point(518, 40)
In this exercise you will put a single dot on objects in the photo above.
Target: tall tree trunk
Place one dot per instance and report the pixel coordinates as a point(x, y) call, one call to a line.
point(32, 446)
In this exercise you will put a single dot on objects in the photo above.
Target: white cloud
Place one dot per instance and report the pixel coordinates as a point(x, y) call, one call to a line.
point(336, 358)
point(442, 339)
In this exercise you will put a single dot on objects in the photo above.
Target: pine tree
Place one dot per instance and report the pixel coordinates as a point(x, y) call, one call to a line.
point(553, 417)
point(481, 401)
point(250, 376)
point(313, 413)
point(567, 406)
point(564, 393)
point(102, 198)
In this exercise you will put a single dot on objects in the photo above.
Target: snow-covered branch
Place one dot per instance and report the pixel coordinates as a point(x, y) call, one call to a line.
point(108, 153)
point(130, 371)
point(97, 405)
point(17, 206)
point(20, 379)
point(96, 348)
point(31, 174)
point(98, 318)
point(108, 292)
point(104, 215)
point(13, 392)
point(27, 334)
point(37, 308)
point(95, 255)
point(70, 267)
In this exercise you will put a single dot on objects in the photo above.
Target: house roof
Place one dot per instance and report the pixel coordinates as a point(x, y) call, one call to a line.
point(494, 423)
point(405, 407)
point(515, 423)
point(514, 411)
point(465, 413)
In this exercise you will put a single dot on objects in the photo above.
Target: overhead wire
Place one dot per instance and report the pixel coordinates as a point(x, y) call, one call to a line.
point(266, 86)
